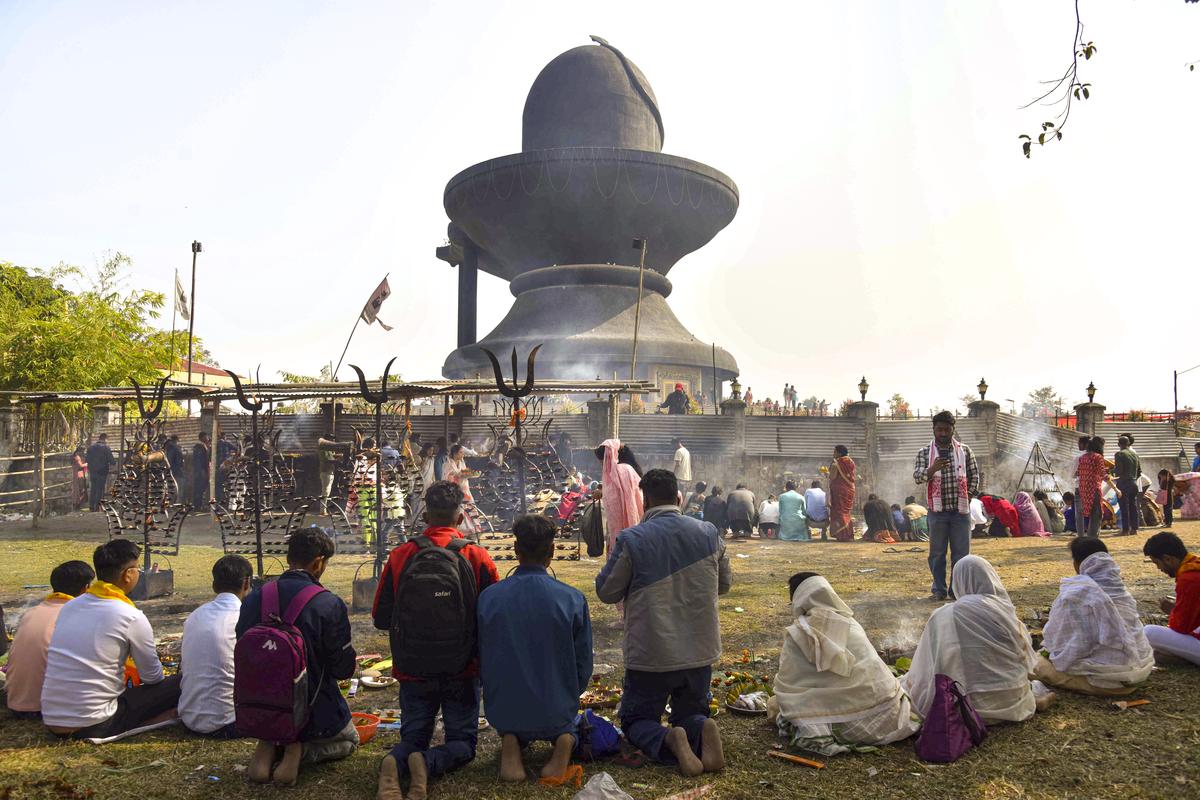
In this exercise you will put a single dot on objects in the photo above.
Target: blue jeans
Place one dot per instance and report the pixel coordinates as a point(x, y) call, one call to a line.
point(644, 698)
point(419, 703)
point(947, 528)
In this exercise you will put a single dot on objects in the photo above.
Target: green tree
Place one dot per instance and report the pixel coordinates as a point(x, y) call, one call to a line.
point(1043, 402)
point(898, 406)
point(66, 328)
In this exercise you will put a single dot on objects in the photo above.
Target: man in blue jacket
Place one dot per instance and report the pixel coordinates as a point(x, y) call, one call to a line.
point(668, 570)
point(330, 734)
point(535, 650)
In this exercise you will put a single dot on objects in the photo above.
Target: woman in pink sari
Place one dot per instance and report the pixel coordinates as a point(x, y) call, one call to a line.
point(841, 494)
point(1029, 521)
point(621, 496)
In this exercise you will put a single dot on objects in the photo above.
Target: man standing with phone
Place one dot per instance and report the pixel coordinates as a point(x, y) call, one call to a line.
point(949, 469)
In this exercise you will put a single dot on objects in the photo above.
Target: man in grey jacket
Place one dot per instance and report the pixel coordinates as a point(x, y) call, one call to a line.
point(740, 508)
point(668, 570)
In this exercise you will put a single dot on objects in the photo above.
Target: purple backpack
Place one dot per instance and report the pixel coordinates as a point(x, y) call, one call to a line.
point(270, 671)
point(952, 726)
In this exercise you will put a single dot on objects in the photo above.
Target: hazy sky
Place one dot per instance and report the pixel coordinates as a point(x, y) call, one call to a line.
point(888, 225)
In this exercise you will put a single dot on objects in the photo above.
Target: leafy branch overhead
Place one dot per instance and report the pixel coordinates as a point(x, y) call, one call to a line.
point(1062, 92)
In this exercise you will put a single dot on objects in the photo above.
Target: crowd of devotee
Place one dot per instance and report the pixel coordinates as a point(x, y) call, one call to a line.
point(264, 663)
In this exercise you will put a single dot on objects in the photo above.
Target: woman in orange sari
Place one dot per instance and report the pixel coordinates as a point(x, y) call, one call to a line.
point(841, 494)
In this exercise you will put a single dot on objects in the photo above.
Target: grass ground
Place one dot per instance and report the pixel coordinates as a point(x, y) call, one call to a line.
point(1082, 747)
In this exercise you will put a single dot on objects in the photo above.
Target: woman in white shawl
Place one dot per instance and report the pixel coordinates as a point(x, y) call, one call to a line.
point(833, 693)
point(1094, 639)
point(978, 641)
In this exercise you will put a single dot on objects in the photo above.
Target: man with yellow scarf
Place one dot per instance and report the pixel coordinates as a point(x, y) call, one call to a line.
point(84, 694)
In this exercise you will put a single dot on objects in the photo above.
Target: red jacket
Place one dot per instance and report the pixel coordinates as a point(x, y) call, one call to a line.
point(385, 593)
point(1004, 511)
point(1185, 617)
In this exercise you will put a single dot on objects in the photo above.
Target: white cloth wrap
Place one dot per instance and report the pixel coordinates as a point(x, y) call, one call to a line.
point(978, 642)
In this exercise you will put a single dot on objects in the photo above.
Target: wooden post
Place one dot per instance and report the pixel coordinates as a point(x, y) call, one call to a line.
point(39, 465)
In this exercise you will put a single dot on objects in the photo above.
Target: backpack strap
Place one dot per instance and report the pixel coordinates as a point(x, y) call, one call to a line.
point(270, 601)
point(457, 545)
point(300, 601)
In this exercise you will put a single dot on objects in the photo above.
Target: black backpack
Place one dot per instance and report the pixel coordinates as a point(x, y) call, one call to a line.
point(591, 528)
point(433, 631)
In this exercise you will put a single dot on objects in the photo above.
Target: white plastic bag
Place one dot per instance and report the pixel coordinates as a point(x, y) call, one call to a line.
point(601, 786)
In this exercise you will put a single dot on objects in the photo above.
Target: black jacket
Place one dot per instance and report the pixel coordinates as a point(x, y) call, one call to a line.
point(99, 458)
point(325, 624)
point(676, 403)
point(715, 511)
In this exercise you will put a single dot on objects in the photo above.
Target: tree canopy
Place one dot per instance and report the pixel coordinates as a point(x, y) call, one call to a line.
point(67, 328)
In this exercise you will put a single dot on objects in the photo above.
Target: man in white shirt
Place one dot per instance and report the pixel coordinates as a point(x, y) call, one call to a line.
point(683, 463)
point(816, 509)
point(206, 700)
point(84, 694)
point(979, 518)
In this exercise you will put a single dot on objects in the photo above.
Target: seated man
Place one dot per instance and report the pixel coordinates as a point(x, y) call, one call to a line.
point(880, 524)
point(1181, 635)
point(206, 698)
point(27, 660)
point(917, 516)
point(1070, 524)
point(535, 653)
point(816, 509)
point(325, 625)
point(979, 518)
point(833, 693)
point(84, 694)
point(1093, 641)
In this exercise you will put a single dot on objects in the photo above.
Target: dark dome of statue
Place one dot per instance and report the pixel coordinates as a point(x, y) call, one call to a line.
point(591, 96)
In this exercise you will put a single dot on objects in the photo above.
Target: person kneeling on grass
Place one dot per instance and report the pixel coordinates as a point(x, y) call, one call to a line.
point(209, 634)
point(833, 693)
point(1181, 635)
point(27, 660)
point(84, 694)
point(325, 626)
point(535, 652)
point(1094, 642)
point(669, 570)
point(427, 600)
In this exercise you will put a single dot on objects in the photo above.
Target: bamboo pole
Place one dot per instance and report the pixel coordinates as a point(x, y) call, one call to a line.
point(39, 465)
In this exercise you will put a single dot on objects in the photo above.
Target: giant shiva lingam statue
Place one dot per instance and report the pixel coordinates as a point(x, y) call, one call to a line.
point(558, 219)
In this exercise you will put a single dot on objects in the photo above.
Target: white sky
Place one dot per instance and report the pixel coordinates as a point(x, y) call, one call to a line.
point(888, 224)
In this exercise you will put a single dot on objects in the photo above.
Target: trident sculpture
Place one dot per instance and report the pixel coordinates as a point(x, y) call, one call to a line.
point(253, 407)
point(377, 400)
point(149, 415)
point(515, 393)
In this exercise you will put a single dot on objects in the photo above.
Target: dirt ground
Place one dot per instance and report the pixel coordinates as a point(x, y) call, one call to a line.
point(1082, 747)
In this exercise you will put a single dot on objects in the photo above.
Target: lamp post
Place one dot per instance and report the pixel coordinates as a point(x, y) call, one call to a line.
point(1091, 392)
point(736, 389)
point(862, 387)
point(982, 387)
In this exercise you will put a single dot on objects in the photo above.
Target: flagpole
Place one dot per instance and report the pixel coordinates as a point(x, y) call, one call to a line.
point(192, 318)
point(357, 320)
point(352, 330)
point(174, 311)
